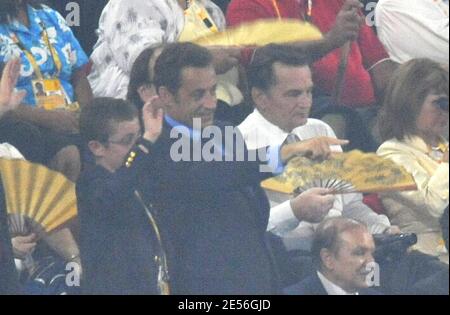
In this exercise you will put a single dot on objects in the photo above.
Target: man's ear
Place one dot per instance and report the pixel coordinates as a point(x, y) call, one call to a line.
point(260, 99)
point(166, 97)
point(97, 148)
point(327, 259)
point(146, 92)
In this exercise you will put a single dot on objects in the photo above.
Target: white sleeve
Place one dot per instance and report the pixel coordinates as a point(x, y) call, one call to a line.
point(412, 32)
point(9, 152)
point(282, 219)
point(355, 209)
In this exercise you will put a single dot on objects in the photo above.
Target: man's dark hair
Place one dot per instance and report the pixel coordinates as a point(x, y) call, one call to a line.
point(175, 58)
point(327, 236)
point(260, 73)
point(9, 9)
point(98, 118)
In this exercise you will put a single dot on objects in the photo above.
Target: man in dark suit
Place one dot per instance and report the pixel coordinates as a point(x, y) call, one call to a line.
point(342, 251)
point(215, 211)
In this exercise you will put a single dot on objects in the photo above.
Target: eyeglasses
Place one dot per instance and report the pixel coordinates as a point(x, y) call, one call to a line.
point(442, 103)
point(127, 141)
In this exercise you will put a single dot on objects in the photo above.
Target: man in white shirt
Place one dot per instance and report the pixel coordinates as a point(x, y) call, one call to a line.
point(281, 88)
point(412, 29)
point(343, 255)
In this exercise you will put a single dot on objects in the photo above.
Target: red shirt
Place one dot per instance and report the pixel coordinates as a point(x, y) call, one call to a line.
point(365, 52)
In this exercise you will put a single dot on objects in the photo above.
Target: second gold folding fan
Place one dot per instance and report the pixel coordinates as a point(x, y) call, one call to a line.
point(43, 198)
point(260, 33)
point(349, 172)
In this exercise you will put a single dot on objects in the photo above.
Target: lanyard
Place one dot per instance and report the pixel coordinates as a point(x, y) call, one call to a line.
point(161, 258)
point(30, 57)
point(308, 12)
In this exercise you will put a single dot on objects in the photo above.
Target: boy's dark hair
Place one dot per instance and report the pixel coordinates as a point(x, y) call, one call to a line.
point(140, 76)
point(260, 73)
point(98, 118)
point(176, 57)
point(9, 9)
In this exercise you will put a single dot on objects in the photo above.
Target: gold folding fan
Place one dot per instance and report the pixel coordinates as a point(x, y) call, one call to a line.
point(263, 32)
point(344, 173)
point(36, 196)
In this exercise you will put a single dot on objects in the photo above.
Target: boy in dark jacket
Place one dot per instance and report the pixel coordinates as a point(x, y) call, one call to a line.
point(121, 248)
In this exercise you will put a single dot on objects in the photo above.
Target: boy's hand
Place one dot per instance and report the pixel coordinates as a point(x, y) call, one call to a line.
point(152, 116)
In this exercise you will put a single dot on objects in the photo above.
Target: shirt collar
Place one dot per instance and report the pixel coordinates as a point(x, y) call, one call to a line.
point(16, 26)
point(182, 128)
point(419, 144)
point(274, 129)
point(331, 288)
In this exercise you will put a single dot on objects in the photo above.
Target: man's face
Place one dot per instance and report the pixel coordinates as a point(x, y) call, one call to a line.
point(196, 98)
point(113, 153)
point(348, 265)
point(288, 102)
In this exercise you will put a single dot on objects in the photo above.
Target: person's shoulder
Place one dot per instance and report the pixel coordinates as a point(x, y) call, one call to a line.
point(395, 145)
point(317, 122)
point(309, 286)
point(53, 17)
point(91, 176)
point(316, 127)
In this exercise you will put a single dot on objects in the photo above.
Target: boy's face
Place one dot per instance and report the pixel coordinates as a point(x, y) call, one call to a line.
point(112, 154)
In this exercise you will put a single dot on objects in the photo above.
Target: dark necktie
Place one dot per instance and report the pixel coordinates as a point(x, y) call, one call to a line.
point(291, 138)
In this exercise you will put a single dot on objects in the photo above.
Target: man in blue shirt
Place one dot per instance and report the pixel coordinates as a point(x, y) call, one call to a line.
point(210, 199)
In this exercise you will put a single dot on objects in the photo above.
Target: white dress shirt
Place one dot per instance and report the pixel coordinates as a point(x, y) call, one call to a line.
point(7, 151)
point(414, 29)
point(259, 132)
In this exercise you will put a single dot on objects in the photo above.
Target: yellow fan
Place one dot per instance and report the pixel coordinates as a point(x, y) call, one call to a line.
point(37, 196)
point(263, 32)
point(349, 172)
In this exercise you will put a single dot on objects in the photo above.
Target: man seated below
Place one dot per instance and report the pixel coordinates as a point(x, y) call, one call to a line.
point(281, 88)
point(343, 255)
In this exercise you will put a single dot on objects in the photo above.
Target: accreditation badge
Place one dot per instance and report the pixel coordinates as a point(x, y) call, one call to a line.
point(49, 94)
